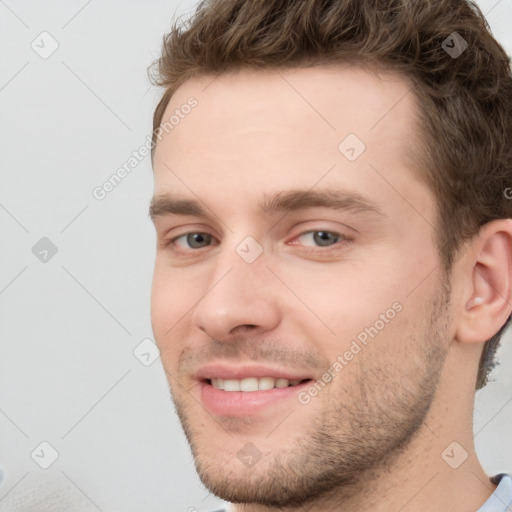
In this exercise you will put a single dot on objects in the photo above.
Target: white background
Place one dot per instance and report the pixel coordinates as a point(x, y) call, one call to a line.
point(68, 375)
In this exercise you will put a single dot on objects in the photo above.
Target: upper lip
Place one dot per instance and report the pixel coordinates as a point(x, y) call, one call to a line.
point(246, 370)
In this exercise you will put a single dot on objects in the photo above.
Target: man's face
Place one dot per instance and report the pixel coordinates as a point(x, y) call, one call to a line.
point(277, 270)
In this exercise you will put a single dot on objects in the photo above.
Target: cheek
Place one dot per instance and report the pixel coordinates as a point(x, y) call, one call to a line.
point(165, 315)
point(376, 323)
point(168, 303)
point(174, 293)
point(339, 303)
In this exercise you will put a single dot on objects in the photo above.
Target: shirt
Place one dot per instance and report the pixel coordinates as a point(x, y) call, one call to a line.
point(501, 498)
point(499, 501)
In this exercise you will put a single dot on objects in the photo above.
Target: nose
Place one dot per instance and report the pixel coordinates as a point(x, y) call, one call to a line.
point(239, 300)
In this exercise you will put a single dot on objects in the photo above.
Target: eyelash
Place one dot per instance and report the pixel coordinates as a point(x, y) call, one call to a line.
point(344, 240)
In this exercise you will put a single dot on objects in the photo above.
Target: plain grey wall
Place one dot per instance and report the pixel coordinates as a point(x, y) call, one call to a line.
point(71, 321)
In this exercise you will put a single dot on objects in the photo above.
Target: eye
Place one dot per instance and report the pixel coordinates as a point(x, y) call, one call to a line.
point(320, 238)
point(192, 240)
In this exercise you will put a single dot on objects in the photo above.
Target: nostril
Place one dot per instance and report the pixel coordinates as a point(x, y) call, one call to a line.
point(243, 328)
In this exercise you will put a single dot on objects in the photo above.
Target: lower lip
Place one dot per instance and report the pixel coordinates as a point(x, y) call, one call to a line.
point(244, 403)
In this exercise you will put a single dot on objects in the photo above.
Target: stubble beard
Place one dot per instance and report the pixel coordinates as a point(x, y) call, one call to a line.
point(365, 426)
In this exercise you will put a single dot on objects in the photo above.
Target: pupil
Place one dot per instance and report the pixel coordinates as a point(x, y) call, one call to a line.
point(324, 238)
point(197, 240)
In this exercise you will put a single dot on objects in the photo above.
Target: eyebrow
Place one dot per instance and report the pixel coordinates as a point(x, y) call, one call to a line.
point(288, 201)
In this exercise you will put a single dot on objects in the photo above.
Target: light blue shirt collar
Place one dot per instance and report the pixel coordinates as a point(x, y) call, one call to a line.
point(501, 498)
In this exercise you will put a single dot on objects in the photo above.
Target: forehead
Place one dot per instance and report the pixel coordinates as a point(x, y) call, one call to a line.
point(257, 130)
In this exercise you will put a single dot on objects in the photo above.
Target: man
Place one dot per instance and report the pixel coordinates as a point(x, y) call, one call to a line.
point(333, 269)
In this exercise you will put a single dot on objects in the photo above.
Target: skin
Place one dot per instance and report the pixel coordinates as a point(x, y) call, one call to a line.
point(373, 437)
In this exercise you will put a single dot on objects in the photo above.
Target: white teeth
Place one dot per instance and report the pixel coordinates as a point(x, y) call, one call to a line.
point(252, 384)
point(266, 383)
point(218, 383)
point(249, 384)
point(231, 385)
point(282, 383)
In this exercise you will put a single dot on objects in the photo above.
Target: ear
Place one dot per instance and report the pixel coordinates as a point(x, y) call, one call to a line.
point(487, 300)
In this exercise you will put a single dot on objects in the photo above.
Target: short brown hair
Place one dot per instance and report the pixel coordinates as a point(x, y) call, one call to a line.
point(464, 100)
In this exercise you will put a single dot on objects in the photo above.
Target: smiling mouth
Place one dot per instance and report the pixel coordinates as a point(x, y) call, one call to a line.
point(251, 384)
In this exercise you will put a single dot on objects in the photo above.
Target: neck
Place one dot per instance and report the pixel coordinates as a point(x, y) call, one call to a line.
point(437, 470)
point(419, 480)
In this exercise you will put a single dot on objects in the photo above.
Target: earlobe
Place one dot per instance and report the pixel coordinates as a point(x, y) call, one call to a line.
point(490, 289)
